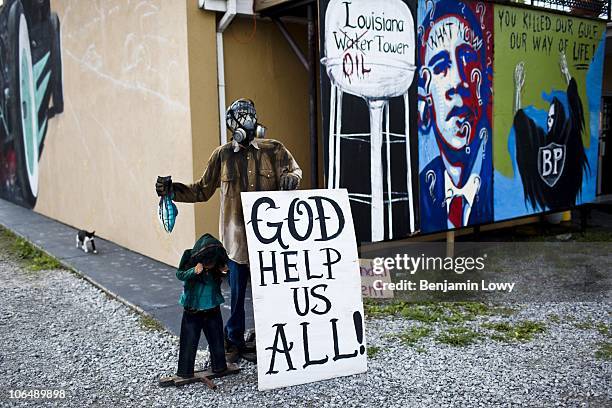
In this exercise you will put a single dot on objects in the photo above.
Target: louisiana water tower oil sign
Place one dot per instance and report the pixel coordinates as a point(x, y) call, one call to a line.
point(368, 66)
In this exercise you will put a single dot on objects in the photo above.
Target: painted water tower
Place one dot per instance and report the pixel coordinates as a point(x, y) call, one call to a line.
point(369, 52)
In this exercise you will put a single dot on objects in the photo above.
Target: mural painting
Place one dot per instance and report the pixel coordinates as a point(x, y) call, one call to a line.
point(455, 105)
point(368, 93)
point(548, 80)
point(31, 92)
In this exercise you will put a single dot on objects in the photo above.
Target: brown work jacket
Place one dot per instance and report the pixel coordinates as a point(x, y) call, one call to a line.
point(234, 169)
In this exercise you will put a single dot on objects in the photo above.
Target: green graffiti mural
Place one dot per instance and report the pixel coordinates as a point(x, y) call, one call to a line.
point(30, 92)
point(547, 87)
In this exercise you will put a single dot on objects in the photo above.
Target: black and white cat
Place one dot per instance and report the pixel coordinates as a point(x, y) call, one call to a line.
point(85, 241)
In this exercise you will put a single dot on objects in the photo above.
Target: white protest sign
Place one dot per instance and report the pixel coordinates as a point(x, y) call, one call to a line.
point(306, 286)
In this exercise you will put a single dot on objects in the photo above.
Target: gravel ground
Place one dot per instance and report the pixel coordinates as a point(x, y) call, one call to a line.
point(59, 332)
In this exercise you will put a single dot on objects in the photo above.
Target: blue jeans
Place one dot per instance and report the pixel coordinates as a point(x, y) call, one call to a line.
point(193, 323)
point(239, 275)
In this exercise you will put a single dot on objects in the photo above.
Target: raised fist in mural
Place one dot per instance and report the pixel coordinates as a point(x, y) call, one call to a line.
point(519, 82)
point(564, 68)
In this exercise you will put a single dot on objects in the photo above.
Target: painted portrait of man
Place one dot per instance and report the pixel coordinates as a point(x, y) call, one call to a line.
point(455, 106)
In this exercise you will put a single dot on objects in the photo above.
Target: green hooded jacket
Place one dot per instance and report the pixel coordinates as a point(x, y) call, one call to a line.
point(203, 291)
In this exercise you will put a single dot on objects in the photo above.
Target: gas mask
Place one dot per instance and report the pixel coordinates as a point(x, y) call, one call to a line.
point(241, 119)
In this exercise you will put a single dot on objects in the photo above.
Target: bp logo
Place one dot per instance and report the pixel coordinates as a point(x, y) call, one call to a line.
point(551, 160)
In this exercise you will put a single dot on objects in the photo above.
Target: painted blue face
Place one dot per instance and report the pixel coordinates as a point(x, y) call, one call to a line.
point(551, 117)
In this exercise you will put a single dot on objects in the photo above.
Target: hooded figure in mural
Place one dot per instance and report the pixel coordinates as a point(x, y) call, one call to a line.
point(551, 162)
point(455, 102)
point(247, 163)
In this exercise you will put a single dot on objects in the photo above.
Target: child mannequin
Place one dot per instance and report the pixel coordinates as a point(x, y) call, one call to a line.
point(201, 269)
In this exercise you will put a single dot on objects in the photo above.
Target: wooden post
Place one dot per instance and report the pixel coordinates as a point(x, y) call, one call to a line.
point(450, 243)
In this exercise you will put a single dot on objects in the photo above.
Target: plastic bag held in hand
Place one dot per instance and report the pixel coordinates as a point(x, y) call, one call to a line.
point(167, 211)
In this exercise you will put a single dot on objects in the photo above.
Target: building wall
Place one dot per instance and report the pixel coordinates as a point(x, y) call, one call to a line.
point(482, 158)
point(126, 120)
point(140, 100)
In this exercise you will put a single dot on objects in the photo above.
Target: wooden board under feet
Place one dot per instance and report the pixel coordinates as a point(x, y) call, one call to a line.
point(198, 376)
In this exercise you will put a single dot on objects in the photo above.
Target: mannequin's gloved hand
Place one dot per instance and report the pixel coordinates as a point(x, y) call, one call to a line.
point(289, 181)
point(163, 185)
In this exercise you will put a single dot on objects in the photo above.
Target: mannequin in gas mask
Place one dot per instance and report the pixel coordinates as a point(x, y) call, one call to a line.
point(248, 163)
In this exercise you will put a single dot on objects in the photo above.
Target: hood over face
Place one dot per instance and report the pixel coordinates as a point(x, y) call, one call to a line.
point(207, 250)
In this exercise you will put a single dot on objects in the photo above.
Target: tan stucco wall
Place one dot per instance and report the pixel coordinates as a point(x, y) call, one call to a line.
point(126, 120)
point(140, 89)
